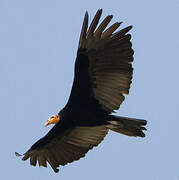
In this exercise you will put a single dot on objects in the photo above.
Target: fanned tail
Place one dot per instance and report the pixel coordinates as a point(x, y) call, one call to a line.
point(127, 126)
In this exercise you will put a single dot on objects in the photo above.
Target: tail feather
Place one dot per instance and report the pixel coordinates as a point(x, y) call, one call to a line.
point(127, 126)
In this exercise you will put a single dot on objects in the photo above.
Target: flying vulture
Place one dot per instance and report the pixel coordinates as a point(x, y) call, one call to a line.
point(102, 76)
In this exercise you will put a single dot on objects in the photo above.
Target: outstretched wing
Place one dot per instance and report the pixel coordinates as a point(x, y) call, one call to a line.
point(65, 147)
point(103, 69)
point(103, 74)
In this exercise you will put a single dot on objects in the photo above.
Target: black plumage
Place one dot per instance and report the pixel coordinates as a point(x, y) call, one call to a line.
point(103, 74)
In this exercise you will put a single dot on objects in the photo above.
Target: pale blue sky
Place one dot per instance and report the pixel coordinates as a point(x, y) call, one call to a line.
point(38, 44)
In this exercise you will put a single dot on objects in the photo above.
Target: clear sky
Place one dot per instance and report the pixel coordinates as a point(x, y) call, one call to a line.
point(38, 44)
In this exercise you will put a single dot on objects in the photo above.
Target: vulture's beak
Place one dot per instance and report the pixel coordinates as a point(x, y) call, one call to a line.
point(52, 120)
point(46, 123)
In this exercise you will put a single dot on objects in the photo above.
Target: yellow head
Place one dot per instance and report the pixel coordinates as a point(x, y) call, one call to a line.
point(52, 120)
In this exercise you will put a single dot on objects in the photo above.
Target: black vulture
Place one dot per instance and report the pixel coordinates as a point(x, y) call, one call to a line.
point(103, 74)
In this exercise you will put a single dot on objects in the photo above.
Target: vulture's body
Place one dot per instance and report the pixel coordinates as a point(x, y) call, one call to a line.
point(103, 74)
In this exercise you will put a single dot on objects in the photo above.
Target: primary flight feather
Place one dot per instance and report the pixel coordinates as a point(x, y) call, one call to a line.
point(103, 73)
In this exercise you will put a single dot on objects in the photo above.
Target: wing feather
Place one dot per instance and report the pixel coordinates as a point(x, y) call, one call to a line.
point(110, 55)
point(102, 26)
point(94, 23)
point(83, 31)
point(70, 146)
point(110, 30)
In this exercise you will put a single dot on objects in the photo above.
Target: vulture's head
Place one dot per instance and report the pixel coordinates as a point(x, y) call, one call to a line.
point(52, 120)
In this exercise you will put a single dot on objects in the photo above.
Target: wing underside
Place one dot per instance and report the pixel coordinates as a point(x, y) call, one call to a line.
point(66, 148)
point(110, 55)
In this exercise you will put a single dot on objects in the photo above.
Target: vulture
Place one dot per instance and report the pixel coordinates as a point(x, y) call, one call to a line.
point(102, 76)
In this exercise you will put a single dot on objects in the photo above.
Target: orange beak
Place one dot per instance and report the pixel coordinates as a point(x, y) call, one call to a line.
point(52, 120)
point(46, 123)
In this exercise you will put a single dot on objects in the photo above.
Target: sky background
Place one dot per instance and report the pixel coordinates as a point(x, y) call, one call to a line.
point(38, 44)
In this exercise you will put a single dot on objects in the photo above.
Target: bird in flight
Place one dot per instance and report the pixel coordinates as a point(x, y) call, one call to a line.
point(103, 74)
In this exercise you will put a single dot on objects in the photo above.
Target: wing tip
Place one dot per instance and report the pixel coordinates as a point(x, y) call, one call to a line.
point(56, 170)
point(18, 154)
point(86, 14)
point(130, 27)
point(100, 10)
